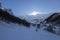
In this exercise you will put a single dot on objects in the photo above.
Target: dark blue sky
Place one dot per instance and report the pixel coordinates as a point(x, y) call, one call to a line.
point(23, 7)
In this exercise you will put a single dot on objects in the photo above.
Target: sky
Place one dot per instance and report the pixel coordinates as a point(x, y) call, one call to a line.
point(25, 7)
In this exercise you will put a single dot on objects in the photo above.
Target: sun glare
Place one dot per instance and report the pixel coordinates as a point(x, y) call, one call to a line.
point(34, 13)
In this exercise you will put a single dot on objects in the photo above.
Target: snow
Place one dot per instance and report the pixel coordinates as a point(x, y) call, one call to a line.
point(19, 32)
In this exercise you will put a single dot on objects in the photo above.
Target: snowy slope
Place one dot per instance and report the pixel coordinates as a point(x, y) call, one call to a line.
point(19, 32)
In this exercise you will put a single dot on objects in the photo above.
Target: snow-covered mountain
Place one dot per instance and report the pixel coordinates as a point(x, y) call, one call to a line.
point(30, 18)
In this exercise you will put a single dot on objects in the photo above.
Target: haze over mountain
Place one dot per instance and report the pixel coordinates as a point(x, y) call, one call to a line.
point(30, 18)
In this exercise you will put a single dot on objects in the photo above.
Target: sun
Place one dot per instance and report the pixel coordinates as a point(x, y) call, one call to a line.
point(34, 13)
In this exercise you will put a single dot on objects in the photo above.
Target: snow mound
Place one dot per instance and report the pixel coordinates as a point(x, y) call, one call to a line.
point(19, 32)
